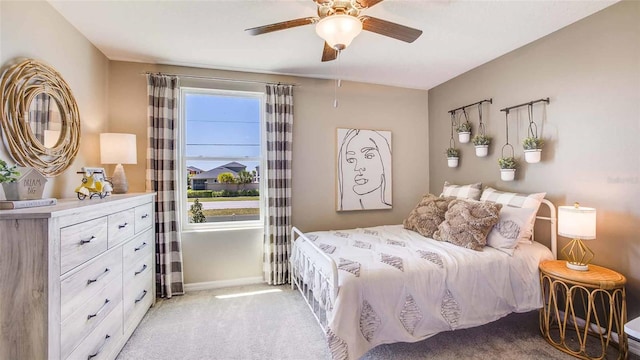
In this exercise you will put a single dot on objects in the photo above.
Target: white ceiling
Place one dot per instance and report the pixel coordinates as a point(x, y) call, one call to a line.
point(457, 35)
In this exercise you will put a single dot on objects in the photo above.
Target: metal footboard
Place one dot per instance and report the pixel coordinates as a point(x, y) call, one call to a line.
point(320, 292)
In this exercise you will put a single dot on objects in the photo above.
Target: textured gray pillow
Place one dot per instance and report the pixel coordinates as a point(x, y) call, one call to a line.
point(467, 223)
point(427, 215)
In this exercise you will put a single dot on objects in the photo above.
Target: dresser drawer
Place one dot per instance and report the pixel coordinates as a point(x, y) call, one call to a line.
point(121, 226)
point(138, 293)
point(86, 318)
point(81, 242)
point(144, 217)
point(103, 340)
point(138, 248)
point(76, 289)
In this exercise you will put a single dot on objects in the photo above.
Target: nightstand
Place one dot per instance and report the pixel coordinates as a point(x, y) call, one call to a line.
point(572, 298)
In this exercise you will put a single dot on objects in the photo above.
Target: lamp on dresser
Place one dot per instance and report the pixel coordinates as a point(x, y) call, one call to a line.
point(118, 148)
point(578, 223)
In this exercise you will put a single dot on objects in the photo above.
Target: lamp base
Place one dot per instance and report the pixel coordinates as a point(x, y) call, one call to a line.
point(578, 267)
point(119, 180)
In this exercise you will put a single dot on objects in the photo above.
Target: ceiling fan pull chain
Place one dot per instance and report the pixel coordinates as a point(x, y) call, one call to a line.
point(338, 81)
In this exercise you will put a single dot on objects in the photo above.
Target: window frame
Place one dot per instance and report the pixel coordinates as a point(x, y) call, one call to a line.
point(182, 186)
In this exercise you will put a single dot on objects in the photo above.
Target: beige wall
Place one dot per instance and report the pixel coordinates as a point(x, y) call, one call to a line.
point(226, 255)
point(591, 72)
point(35, 30)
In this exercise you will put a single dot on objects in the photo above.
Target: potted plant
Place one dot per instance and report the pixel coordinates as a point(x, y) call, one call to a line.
point(464, 132)
point(507, 168)
point(453, 155)
point(532, 149)
point(481, 143)
point(9, 177)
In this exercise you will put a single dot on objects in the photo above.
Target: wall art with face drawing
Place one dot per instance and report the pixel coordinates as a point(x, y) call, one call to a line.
point(364, 169)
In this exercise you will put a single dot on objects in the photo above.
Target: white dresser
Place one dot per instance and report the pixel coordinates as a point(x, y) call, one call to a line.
point(75, 278)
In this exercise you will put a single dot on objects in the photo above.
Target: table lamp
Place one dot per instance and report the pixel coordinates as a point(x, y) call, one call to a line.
point(118, 149)
point(579, 223)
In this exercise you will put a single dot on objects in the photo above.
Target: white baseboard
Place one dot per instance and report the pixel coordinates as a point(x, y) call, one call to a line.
point(223, 283)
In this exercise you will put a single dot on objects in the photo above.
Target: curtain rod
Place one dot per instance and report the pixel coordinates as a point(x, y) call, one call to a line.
point(525, 104)
point(217, 78)
point(490, 101)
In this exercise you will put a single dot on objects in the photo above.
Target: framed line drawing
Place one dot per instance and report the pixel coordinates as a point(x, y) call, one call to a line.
point(363, 169)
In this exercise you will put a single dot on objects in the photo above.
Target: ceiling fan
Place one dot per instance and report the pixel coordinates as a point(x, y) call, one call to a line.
point(339, 22)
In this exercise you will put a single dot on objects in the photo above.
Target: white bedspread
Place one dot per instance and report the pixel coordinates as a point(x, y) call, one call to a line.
point(398, 286)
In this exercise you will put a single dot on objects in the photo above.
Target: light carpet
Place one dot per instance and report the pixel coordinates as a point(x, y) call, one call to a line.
point(266, 322)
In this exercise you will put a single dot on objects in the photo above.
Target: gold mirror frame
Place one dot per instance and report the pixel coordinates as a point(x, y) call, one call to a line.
point(20, 85)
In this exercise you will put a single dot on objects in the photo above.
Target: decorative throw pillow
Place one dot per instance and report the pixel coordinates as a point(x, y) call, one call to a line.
point(512, 222)
point(427, 215)
point(467, 223)
point(529, 201)
point(471, 191)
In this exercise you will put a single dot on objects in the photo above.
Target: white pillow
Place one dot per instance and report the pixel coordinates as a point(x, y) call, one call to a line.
point(529, 201)
point(511, 225)
point(471, 191)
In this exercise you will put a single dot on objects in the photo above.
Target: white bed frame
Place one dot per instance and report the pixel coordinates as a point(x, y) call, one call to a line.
point(331, 280)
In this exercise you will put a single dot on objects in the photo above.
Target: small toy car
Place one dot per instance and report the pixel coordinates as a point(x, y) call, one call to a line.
point(93, 184)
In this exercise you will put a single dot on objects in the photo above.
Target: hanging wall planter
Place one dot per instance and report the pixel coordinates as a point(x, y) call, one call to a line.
point(507, 163)
point(507, 168)
point(464, 132)
point(481, 142)
point(532, 144)
point(453, 156)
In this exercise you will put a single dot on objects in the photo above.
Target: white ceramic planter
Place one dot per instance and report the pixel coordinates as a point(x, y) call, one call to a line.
point(11, 191)
point(532, 156)
point(452, 162)
point(507, 174)
point(464, 137)
point(482, 150)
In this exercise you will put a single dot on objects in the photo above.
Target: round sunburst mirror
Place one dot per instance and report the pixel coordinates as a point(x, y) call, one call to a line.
point(40, 119)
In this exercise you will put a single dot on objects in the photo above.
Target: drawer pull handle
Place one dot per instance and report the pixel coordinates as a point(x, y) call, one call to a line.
point(144, 293)
point(122, 226)
point(82, 242)
point(104, 306)
point(106, 339)
point(144, 267)
point(144, 216)
point(142, 246)
point(104, 273)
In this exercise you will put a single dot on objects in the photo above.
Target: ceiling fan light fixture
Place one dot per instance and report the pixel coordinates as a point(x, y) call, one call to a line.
point(339, 30)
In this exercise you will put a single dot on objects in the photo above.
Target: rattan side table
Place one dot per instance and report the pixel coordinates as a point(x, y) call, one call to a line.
point(571, 298)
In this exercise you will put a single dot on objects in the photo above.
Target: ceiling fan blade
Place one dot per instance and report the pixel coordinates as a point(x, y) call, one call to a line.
point(329, 53)
point(281, 25)
point(363, 4)
point(390, 29)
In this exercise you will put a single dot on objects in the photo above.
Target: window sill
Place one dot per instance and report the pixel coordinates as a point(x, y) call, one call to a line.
point(228, 226)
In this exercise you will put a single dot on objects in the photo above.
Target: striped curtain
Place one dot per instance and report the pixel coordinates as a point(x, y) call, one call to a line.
point(277, 240)
point(39, 115)
point(163, 92)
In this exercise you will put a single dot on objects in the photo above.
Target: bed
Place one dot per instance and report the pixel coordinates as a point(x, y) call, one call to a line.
point(386, 284)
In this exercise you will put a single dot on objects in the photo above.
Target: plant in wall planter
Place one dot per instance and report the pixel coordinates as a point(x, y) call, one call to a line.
point(453, 155)
point(464, 132)
point(532, 149)
point(9, 179)
point(481, 142)
point(507, 168)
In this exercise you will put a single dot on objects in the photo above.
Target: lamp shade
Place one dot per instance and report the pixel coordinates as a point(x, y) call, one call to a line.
point(577, 222)
point(116, 148)
point(339, 30)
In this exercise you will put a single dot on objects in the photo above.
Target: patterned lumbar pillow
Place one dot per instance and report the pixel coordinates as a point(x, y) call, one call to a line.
point(471, 191)
point(511, 225)
point(427, 215)
point(467, 223)
point(529, 201)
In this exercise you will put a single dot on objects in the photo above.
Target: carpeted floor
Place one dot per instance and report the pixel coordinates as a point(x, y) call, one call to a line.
point(275, 323)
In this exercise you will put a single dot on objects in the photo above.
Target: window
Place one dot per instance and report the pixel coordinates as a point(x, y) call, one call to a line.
point(221, 151)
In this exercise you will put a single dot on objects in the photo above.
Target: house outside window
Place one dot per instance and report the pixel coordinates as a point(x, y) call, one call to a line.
point(221, 147)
